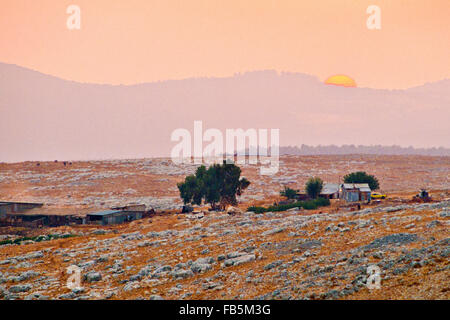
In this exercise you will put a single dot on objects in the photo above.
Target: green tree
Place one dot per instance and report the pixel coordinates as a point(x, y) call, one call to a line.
point(217, 185)
point(362, 177)
point(314, 187)
point(288, 193)
point(190, 190)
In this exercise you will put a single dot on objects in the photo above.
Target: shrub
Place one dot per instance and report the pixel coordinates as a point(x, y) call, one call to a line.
point(257, 209)
point(314, 187)
point(288, 193)
point(219, 184)
point(362, 177)
point(38, 238)
point(307, 205)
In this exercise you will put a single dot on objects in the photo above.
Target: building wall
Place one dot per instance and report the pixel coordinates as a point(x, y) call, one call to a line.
point(365, 196)
point(351, 195)
point(330, 195)
point(355, 195)
point(17, 207)
point(120, 217)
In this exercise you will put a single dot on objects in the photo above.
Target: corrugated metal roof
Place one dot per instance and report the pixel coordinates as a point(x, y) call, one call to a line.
point(104, 213)
point(15, 202)
point(356, 186)
point(330, 188)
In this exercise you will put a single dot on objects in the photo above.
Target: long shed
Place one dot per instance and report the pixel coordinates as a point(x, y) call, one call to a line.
point(113, 216)
point(17, 207)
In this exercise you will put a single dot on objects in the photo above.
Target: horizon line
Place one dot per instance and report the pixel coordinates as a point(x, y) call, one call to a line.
point(119, 158)
point(236, 74)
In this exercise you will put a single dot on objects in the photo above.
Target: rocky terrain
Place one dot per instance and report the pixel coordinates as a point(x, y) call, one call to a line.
point(288, 255)
point(91, 185)
point(297, 254)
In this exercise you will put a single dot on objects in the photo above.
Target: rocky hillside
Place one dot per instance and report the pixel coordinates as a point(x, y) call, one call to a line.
point(85, 186)
point(287, 255)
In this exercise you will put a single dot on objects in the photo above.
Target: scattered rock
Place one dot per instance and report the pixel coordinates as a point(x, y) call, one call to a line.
point(133, 285)
point(444, 214)
point(93, 277)
point(234, 210)
point(272, 231)
point(20, 288)
point(393, 239)
point(36, 296)
point(272, 265)
point(239, 260)
point(99, 232)
point(182, 274)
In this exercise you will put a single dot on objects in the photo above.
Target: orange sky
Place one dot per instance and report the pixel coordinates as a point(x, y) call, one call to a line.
point(136, 41)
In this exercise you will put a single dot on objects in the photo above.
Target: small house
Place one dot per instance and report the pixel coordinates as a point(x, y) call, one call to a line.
point(352, 192)
point(330, 191)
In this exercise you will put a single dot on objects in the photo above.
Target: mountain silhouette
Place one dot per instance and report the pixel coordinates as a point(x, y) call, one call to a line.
point(43, 117)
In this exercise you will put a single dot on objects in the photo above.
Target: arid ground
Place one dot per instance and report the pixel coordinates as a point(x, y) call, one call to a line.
point(297, 254)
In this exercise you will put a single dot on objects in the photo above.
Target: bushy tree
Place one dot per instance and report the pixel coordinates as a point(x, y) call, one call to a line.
point(288, 193)
point(314, 187)
point(190, 190)
point(217, 185)
point(362, 177)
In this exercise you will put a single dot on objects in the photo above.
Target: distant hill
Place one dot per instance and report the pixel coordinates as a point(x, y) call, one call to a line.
point(45, 118)
point(351, 149)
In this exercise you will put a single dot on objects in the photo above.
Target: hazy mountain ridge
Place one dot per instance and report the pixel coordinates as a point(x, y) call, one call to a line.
point(46, 118)
point(352, 149)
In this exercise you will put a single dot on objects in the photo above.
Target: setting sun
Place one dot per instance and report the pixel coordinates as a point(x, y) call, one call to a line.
point(341, 80)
